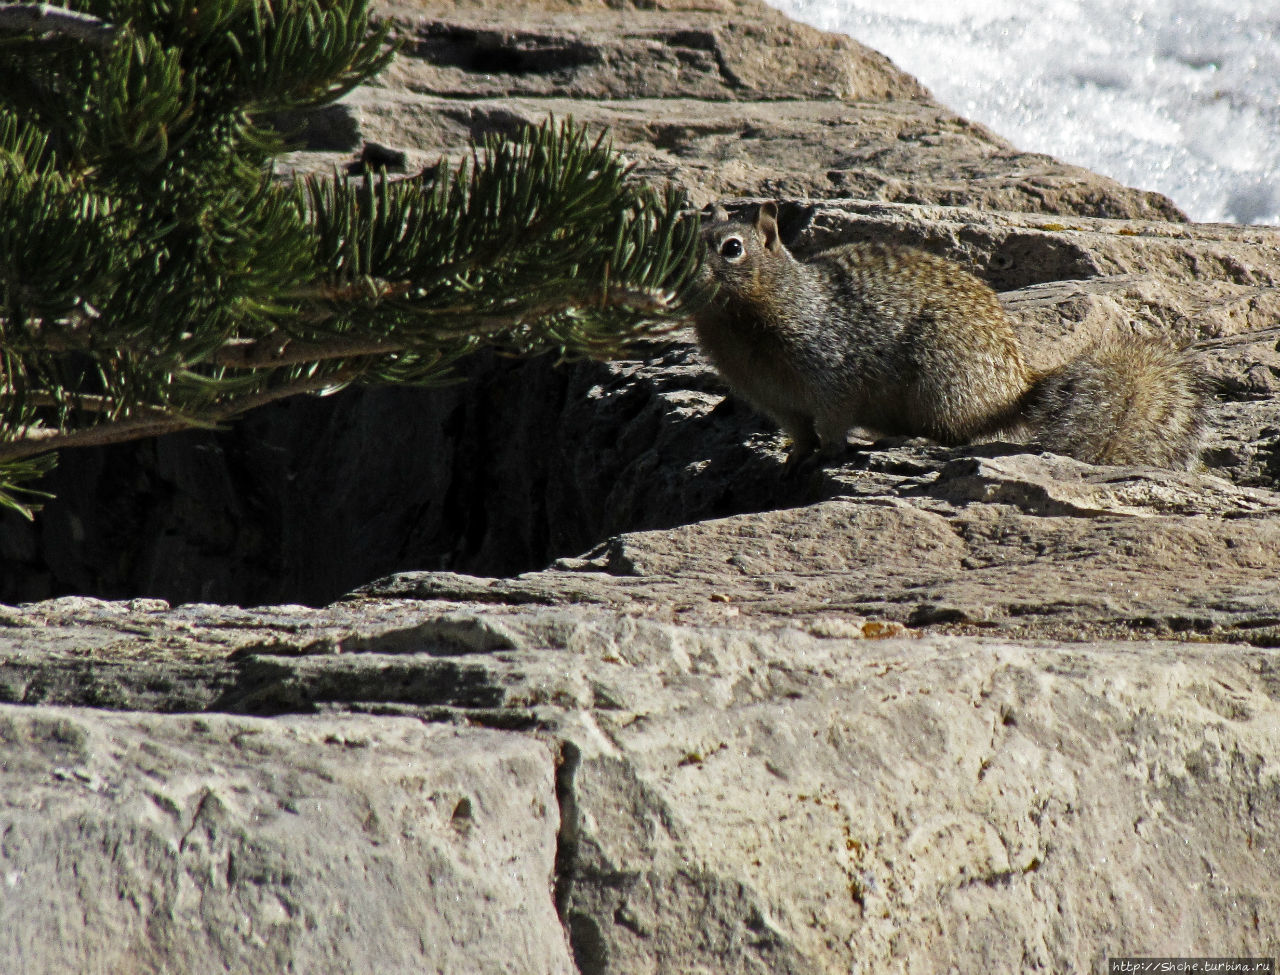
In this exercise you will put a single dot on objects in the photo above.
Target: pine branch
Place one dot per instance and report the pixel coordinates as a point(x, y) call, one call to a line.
point(286, 351)
point(15, 478)
point(48, 20)
point(156, 279)
point(281, 350)
point(42, 399)
point(155, 422)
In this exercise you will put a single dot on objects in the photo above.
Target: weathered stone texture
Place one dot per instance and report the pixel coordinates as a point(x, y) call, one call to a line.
point(644, 703)
point(149, 843)
point(795, 796)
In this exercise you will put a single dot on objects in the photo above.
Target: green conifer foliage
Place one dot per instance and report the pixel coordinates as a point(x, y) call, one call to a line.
point(155, 276)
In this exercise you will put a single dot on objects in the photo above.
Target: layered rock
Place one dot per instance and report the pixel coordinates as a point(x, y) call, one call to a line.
point(645, 704)
point(471, 781)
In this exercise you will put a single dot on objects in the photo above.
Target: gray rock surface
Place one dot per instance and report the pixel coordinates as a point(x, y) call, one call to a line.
point(645, 704)
point(147, 843)
point(663, 791)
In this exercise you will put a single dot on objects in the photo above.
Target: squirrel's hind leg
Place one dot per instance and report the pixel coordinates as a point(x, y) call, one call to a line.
point(833, 436)
point(826, 440)
point(805, 440)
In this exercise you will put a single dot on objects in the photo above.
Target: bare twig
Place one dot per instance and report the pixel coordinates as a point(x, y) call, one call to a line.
point(155, 424)
point(46, 19)
point(85, 402)
point(282, 351)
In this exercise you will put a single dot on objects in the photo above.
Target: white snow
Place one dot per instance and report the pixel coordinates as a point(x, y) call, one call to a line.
point(1180, 96)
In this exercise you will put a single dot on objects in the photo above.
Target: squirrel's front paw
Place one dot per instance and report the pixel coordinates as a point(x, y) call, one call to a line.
point(800, 456)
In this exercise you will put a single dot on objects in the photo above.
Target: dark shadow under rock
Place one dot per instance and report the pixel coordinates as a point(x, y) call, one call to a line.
point(521, 463)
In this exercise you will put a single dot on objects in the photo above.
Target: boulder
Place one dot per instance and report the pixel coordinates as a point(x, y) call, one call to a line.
point(215, 842)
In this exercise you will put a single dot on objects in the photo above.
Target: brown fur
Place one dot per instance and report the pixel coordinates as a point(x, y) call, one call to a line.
point(897, 341)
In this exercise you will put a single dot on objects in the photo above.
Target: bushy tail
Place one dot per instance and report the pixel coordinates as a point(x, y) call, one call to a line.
point(1126, 400)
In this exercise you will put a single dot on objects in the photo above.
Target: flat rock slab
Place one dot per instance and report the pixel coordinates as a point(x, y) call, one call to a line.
point(1018, 545)
point(725, 99)
point(657, 796)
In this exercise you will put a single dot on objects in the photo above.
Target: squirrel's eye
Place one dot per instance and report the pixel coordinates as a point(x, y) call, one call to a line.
point(731, 249)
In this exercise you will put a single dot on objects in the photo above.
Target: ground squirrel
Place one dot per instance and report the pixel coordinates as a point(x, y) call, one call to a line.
point(900, 342)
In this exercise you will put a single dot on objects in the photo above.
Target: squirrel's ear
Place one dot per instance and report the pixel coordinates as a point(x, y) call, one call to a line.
point(767, 224)
point(719, 214)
